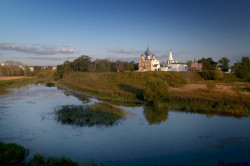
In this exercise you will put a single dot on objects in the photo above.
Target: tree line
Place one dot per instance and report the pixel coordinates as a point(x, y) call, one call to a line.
point(85, 64)
point(14, 68)
point(212, 70)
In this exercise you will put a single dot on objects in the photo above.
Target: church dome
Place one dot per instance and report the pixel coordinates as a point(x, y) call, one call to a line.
point(148, 52)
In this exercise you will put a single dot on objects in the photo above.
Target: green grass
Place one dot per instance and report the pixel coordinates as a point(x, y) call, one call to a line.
point(124, 86)
point(209, 101)
point(130, 86)
point(95, 114)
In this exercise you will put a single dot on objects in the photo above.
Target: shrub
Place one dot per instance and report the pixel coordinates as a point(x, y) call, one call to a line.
point(156, 90)
point(12, 154)
point(218, 74)
point(39, 160)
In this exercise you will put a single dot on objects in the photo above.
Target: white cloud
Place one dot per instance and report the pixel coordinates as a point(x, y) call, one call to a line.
point(38, 49)
point(123, 51)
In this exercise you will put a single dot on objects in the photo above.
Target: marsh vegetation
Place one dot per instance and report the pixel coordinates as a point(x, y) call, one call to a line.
point(95, 114)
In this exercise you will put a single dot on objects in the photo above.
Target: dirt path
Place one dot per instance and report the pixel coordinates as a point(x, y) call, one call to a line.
point(12, 78)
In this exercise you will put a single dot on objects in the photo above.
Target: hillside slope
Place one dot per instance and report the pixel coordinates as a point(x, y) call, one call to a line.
point(126, 86)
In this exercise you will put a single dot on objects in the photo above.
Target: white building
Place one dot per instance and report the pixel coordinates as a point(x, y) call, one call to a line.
point(146, 63)
point(31, 68)
point(173, 65)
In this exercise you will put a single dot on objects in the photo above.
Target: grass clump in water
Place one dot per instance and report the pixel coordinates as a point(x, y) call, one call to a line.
point(95, 114)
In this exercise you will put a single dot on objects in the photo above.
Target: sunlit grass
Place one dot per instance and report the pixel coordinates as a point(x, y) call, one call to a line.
point(124, 86)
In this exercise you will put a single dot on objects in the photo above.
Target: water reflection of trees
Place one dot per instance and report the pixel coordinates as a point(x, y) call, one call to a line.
point(155, 114)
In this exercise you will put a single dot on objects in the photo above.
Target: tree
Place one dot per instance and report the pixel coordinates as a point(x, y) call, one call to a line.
point(26, 70)
point(209, 60)
point(156, 90)
point(119, 66)
point(224, 64)
point(103, 65)
point(208, 68)
point(37, 69)
point(81, 63)
point(242, 69)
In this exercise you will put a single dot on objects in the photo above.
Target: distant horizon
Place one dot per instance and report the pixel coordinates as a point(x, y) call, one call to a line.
point(162, 58)
point(47, 33)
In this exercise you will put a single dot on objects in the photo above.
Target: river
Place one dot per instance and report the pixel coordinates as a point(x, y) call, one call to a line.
point(143, 137)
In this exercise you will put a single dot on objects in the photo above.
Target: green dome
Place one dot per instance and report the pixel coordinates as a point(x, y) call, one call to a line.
point(148, 52)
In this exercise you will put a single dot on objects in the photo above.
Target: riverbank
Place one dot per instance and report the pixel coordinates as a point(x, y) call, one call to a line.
point(15, 155)
point(188, 91)
point(46, 76)
point(123, 86)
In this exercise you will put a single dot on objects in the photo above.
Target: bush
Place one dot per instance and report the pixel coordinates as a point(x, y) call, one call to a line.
point(218, 74)
point(12, 154)
point(39, 160)
point(156, 90)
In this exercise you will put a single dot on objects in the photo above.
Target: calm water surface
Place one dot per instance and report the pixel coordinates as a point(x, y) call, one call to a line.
point(141, 138)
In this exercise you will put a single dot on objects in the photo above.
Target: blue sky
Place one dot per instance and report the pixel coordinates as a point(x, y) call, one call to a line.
point(48, 32)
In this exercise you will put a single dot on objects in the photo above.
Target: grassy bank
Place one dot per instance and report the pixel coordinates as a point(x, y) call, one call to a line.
point(223, 99)
point(124, 86)
point(46, 76)
point(95, 114)
point(188, 91)
point(14, 155)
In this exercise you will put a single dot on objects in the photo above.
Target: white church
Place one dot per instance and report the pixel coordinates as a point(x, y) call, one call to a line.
point(173, 65)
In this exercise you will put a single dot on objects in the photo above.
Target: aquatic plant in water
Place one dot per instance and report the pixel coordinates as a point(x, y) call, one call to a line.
point(95, 114)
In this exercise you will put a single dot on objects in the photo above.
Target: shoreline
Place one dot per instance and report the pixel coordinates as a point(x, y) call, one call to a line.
point(221, 101)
